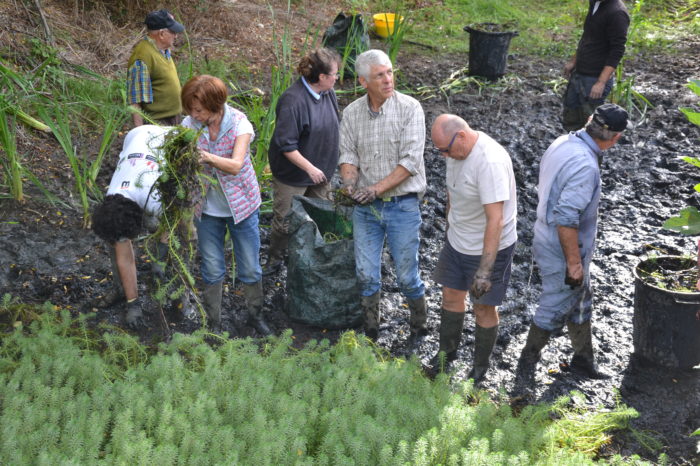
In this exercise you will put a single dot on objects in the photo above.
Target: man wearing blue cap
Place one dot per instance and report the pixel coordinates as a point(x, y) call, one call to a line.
point(153, 86)
point(565, 231)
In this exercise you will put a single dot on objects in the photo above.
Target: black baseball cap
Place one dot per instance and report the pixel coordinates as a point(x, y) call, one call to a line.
point(612, 117)
point(162, 19)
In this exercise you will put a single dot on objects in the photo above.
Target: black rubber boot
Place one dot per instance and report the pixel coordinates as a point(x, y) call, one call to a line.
point(370, 315)
point(253, 293)
point(583, 360)
point(212, 305)
point(419, 329)
point(275, 253)
point(451, 324)
point(484, 341)
point(537, 339)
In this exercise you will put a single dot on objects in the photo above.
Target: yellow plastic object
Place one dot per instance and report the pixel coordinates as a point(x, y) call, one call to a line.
point(384, 24)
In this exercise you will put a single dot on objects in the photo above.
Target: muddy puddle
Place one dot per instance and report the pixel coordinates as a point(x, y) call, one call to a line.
point(46, 256)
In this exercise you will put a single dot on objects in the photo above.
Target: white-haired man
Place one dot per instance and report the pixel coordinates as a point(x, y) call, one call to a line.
point(382, 138)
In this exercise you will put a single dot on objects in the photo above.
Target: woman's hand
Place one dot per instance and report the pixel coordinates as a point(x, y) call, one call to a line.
point(206, 158)
point(316, 175)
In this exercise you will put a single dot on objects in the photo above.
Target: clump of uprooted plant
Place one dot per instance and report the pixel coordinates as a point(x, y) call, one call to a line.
point(180, 188)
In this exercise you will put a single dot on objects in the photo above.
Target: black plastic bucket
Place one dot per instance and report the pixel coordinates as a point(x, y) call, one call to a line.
point(488, 49)
point(666, 323)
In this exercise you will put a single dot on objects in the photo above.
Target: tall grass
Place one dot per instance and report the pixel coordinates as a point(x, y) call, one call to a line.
point(396, 37)
point(58, 119)
point(11, 164)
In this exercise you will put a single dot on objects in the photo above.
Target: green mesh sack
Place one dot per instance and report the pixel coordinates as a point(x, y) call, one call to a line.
point(321, 281)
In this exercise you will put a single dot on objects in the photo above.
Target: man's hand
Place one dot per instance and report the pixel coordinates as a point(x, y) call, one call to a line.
point(481, 284)
point(574, 275)
point(568, 68)
point(316, 175)
point(364, 196)
point(597, 90)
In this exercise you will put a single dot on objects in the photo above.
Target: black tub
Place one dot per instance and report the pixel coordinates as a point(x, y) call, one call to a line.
point(666, 323)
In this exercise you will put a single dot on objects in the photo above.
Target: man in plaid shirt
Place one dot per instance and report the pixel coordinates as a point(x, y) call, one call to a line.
point(382, 137)
point(153, 86)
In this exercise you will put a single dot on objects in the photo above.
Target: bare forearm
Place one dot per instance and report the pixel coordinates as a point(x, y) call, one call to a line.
point(349, 174)
point(395, 178)
point(606, 74)
point(492, 236)
point(135, 115)
point(299, 160)
point(568, 238)
point(231, 165)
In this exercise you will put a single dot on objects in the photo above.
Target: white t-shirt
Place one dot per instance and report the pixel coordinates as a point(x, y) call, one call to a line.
point(484, 177)
point(139, 167)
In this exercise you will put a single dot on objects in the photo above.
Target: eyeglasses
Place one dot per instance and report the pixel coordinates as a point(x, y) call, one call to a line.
point(446, 150)
point(335, 75)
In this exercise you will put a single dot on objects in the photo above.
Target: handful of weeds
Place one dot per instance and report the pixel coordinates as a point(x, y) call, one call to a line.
point(341, 197)
point(180, 187)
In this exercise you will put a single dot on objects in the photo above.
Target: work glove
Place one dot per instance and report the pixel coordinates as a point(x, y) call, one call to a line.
point(365, 196)
point(134, 314)
point(481, 284)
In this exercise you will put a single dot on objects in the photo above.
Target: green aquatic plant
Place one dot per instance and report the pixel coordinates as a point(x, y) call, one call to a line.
point(72, 394)
point(688, 220)
point(180, 186)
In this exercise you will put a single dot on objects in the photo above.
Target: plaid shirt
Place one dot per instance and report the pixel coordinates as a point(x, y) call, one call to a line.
point(377, 142)
point(138, 81)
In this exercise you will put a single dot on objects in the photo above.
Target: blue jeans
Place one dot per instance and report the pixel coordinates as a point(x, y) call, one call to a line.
point(245, 236)
point(399, 222)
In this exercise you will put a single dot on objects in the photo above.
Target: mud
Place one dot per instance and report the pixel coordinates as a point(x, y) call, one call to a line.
point(45, 255)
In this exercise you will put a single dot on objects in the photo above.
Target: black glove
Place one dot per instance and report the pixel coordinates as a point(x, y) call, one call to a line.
point(134, 314)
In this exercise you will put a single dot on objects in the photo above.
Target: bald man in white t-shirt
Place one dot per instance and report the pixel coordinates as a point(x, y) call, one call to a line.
point(481, 236)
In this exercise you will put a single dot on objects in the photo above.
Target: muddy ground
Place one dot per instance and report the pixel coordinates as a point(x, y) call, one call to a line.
point(46, 255)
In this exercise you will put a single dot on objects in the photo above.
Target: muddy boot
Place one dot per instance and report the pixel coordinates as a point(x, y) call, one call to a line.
point(484, 341)
point(253, 293)
point(134, 314)
point(537, 339)
point(451, 324)
point(212, 305)
point(370, 315)
point(583, 360)
point(418, 319)
point(275, 254)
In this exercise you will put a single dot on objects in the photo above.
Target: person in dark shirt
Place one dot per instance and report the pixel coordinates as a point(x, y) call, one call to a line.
point(591, 70)
point(303, 151)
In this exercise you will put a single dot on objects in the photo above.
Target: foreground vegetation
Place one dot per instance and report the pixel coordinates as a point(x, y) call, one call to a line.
point(71, 395)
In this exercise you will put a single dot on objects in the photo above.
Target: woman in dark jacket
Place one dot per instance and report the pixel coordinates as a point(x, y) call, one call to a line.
point(303, 152)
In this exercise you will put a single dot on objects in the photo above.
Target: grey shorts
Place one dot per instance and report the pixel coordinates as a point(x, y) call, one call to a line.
point(456, 270)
